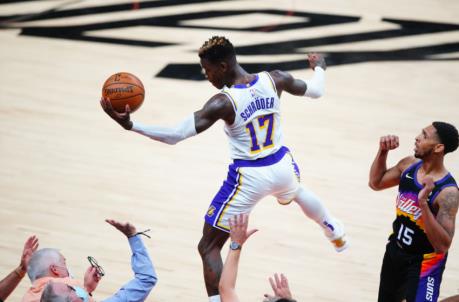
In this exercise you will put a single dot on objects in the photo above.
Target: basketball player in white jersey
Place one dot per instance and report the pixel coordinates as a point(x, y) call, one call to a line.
point(250, 107)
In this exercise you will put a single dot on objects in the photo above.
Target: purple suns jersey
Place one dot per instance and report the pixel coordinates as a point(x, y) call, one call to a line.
point(256, 131)
point(408, 227)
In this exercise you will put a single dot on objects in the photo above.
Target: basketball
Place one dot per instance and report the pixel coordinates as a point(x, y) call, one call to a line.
point(124, 89)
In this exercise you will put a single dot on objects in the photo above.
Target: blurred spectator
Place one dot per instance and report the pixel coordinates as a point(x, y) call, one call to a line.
point(9, 283)
point(136, 290)
point(49, 265)
point(280, 288)
point(239, 234)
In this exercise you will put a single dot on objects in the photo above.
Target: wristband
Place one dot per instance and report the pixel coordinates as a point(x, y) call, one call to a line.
point(19, 272)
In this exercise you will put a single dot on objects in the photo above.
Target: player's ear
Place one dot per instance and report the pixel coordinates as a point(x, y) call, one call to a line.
point(439, 148)
point(224, 65)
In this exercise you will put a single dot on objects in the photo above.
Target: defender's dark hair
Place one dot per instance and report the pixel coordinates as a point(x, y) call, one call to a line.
point(448, 135)
point(217, 49)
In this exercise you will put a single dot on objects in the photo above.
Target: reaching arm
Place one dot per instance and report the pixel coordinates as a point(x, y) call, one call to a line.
point(9, 283)
point(440, 229)
point(238, 234)
point(145, 277)
point(313, 88)
point(218, 107)
point(170, 136)
point(227, 285)
point(144, 273)
point(381, 177)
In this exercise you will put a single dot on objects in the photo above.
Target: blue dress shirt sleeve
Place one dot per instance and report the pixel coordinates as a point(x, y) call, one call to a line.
point(145, 277)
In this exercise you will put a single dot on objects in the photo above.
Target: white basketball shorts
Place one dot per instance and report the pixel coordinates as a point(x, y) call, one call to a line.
point(249, 181)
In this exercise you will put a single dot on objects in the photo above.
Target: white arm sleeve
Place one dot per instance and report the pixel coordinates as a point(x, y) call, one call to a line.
point(315, 86)
point(169, 136)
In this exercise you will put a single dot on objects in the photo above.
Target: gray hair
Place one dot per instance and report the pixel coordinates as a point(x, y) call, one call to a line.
point(40, 262)
point(49, 295)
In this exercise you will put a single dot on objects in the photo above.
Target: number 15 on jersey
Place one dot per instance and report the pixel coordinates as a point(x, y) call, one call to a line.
point(405, 234)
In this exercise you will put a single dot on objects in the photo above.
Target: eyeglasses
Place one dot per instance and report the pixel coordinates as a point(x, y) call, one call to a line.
point(99, 269)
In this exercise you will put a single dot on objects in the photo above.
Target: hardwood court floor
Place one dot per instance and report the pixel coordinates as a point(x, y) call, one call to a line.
point(65, 166)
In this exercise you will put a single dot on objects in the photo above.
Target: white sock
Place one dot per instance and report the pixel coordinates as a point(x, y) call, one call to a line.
point(314, 209)
point(215, 298)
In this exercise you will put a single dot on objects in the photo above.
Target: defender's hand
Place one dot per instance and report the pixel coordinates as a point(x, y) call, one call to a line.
point(388, 142)
point(424, 193)
point(316, 59)
point(124, 119)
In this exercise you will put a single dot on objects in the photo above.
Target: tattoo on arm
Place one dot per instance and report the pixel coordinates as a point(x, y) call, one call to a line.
point(446, 215)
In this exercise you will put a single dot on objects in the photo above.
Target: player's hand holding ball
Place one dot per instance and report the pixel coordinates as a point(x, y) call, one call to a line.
point(122, 94)
point(124, 119)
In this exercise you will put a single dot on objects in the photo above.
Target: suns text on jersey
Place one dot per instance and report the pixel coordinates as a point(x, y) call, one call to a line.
point(408, 206)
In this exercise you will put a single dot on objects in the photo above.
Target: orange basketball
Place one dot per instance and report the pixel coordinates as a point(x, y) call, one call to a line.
point(124, 88)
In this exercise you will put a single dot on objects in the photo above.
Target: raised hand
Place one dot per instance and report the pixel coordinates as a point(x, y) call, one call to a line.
point(238, 228)
point(30, 246)
point(126, 228)
point(316, 59)
point(124, 119)
point(424, 193)
point(280, 287)
point(388, 142)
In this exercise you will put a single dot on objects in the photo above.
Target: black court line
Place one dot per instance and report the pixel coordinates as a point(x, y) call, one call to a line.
point(334, 58)
point(27, 17)
point(16, 1)
point(105, 9)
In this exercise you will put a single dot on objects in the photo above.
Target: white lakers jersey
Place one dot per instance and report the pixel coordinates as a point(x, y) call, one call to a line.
point(256, 131)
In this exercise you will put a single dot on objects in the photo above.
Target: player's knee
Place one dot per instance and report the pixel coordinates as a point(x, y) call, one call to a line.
point(203, 246)
point(208, 247)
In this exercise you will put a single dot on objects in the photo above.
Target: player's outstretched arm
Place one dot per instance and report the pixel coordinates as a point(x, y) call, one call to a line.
point(313, 88)
point(439, 229)
point(218, 107)
point(380, 176)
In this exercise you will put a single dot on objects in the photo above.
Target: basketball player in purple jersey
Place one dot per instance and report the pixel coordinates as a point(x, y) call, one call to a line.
point(249, 105)
point(426, 207)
